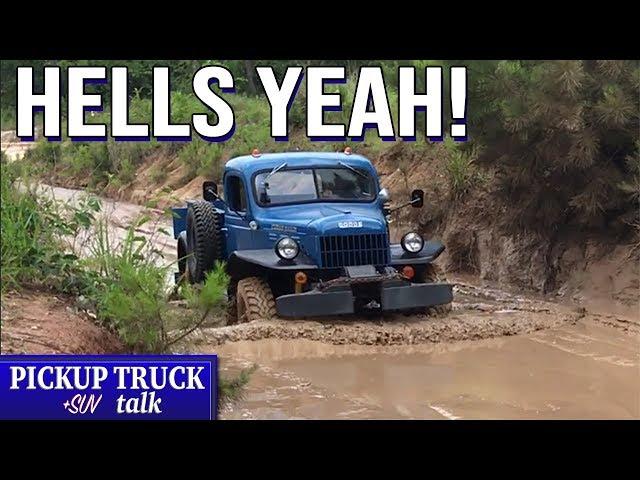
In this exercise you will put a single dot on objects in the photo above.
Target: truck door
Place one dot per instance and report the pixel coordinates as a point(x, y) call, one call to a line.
point(237, 217)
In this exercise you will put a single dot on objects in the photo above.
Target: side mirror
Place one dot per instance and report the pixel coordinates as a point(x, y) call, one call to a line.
point(263, 196)
point(210, 191)
point(417, 198)
point(383, 195)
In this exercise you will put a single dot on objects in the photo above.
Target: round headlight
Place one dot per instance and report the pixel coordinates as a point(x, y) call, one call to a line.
point(412, 242)
point(287, 248)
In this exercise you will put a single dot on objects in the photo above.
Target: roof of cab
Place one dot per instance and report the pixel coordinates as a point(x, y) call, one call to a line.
point(249, 164)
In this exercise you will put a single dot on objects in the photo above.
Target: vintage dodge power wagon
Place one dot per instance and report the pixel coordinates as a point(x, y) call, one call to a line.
point(307, 234)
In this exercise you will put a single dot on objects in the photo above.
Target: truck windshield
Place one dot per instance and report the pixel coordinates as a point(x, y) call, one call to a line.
point(322, 184)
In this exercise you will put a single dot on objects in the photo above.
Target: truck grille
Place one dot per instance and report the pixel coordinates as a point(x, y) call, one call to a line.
point(350, 250)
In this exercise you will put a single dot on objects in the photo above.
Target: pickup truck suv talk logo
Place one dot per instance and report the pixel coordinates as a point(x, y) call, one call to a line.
point(350, 224)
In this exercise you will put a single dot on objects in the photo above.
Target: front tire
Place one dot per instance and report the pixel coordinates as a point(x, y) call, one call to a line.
point(254, 300)
point(204, 240)
point(231, 310)
point(434, 274)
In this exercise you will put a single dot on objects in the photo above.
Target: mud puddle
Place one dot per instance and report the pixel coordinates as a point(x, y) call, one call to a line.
point(576, 371)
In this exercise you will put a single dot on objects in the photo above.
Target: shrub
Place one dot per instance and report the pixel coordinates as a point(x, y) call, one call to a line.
point(35, 233)
point(202, 158)
point(45, 153)
point(157, 174)
point(132, 293)
point(460, 167)
point(134, 302)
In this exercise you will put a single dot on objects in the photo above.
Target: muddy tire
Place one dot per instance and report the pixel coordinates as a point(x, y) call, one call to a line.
point(182, 260)
point(231, 309)
point(204, 240)
point(434, 274)
point(254, 300)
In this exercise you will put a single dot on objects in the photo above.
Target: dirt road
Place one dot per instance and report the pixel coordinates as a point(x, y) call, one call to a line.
point(12, 147)
point(120, 216)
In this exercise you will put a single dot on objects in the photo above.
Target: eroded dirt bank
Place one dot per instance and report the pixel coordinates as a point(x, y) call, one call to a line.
point(40, 322)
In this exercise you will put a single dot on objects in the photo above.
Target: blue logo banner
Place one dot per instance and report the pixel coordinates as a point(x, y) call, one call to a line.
point(108, 387)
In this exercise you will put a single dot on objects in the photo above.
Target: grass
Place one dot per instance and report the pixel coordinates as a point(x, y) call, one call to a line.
point(71, 249)
point(460, 167)
point(32, 232)
point(120, 280)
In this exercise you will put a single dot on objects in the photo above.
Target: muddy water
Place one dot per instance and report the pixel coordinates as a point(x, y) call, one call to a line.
point(584, 370)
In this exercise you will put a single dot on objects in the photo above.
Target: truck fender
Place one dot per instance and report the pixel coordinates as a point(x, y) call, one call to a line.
point(430, 251)
point(242, 263)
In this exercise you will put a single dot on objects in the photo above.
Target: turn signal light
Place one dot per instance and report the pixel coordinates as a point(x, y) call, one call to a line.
point(256, 153)
point(347, 151)
point(408, 272)
point(301, 280)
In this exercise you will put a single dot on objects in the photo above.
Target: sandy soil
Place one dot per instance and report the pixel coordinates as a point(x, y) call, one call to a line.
point(40, 322)
point(12, 147)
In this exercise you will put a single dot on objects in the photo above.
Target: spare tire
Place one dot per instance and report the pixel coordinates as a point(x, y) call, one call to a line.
point(204, 240)
point(182, 257)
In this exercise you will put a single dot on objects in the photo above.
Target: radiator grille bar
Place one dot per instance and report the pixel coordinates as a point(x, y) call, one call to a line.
point(352, 250)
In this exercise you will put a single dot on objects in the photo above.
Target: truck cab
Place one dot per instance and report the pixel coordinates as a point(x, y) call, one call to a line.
point(307, 233)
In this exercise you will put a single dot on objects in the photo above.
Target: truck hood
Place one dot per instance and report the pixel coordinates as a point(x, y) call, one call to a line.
point(326, 218)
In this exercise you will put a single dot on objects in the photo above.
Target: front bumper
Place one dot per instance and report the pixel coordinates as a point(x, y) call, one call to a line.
point(341, 300)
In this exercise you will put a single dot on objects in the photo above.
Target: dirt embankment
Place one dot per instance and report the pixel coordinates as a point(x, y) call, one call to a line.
point(591, 268)
point(41, 322)
point(161, 179)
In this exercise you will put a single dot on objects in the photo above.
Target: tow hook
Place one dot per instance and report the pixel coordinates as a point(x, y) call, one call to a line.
point(373, 305)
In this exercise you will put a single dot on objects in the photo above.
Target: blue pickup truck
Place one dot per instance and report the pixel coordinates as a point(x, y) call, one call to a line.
point(306, 234)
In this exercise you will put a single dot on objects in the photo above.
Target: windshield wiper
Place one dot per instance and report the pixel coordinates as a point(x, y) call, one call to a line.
point(354, 170)
point(264, 196)
point(274, 171)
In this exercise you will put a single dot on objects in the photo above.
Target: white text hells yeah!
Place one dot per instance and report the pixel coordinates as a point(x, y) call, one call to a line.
point(370, 104)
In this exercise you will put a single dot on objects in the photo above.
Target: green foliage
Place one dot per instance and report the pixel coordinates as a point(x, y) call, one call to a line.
point(230, 390)
point(631, 185)
point(560, 134)
point(34, 229)
point(460, 168)
point(132, 293)
point(202, 158)
point(214, 289)
point(134, 302)
point(93, 164)
point(45, 153)
point(157, 174)
point(68, 248)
